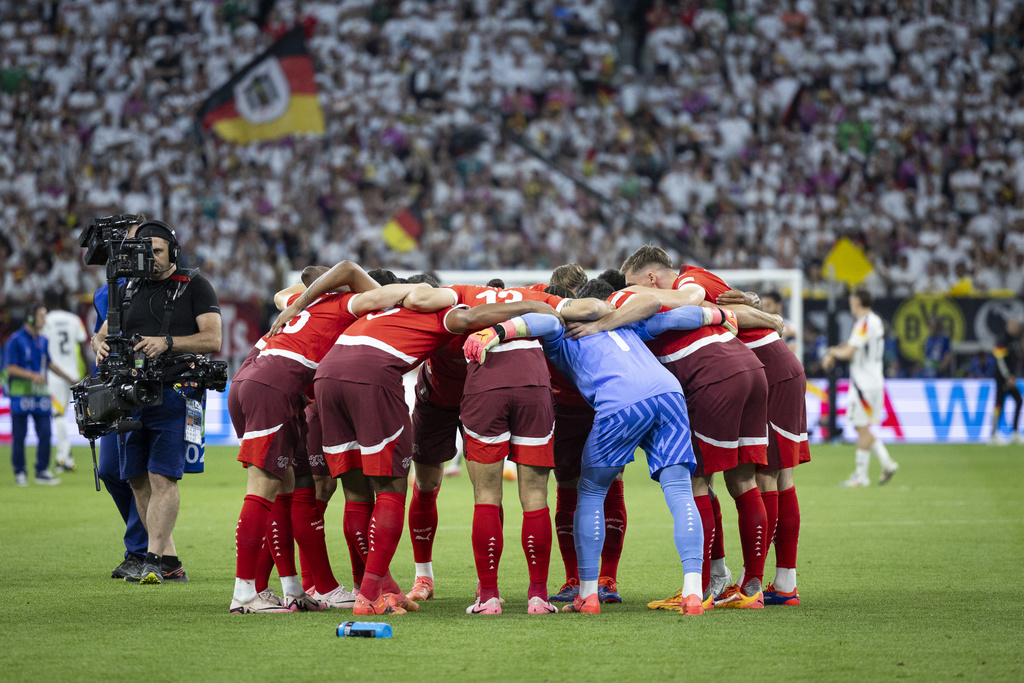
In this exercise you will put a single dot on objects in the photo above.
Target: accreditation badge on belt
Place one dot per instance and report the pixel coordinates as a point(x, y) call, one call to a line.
point(195, 435)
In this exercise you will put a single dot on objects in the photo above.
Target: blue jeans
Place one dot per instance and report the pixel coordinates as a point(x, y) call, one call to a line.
point(19, 429)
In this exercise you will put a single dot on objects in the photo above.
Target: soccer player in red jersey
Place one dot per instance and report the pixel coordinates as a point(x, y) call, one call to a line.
point(507, 410)
point(787, 434)
point(727, 394)
point(265, 399)
point(435, 421)
point(366, 421)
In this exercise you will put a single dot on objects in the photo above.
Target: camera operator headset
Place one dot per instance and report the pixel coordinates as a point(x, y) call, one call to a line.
point(169, 312)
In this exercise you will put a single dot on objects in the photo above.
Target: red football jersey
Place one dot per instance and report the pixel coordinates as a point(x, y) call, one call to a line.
point(381, 346)
point(518, 363)
point(442, 377)
point(779, 361)
point(288, 360)
point(698, 357)
point(714, 287)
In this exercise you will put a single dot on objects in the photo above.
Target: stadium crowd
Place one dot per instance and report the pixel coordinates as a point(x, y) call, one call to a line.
point(745, 134)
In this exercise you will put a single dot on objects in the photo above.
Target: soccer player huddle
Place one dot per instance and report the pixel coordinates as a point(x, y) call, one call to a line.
point(570, 377)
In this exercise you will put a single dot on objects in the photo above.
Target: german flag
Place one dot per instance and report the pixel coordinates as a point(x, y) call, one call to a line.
point(272, 97)
point(402, 233)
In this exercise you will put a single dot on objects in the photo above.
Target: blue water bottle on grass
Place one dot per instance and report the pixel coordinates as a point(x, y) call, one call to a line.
point(364, 629)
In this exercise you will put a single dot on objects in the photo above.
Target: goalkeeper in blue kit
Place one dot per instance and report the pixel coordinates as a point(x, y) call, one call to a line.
point(638, 404)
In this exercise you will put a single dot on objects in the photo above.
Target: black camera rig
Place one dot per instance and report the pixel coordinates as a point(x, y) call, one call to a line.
point(126, 380)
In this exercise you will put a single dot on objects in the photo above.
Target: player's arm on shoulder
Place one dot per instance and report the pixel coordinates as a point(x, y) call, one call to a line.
point(281, 298)
point(383, 297)
point(462, 320)
point(753, 318)
point(430, 299)
point(589, 309)
point(547, 327)
point(342, 274)
point(735, 296)
point(635, 309)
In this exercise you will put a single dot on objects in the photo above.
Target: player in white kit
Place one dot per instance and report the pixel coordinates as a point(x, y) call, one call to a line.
point(66, 334)
point(866, 398)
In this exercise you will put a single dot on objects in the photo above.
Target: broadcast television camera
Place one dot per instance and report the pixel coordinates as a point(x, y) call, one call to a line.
point(126, 380)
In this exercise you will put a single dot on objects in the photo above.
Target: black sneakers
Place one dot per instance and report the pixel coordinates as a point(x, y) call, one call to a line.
point(131, 566)
point(151, 573)
point(176, 574)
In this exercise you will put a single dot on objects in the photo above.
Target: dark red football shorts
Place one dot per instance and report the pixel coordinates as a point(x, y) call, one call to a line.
point(728, 422)
point(787, 424)
point(572, 427)
point(433, 432)
point(264, 421)
point(516, 421)
point(365, 426)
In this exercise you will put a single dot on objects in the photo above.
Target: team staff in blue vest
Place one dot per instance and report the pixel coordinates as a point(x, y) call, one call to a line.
point(26, 359)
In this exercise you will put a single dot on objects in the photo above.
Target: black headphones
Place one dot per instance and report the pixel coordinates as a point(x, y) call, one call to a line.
point(163, 231)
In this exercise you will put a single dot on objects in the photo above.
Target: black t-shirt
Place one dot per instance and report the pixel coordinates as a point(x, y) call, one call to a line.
point(146, 311)
point(1010, 349)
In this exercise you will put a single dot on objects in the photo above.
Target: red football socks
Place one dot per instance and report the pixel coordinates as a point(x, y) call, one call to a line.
point(488, 543)
point(536, 539)
point(771, 511)
point(307, 573)
point(308, 526)
point(707, 521)
point(718, 547)
point(752, 523)
point(357, 525)
point(264, 565)
point(249, 533)
point(565, 508)
point(614, 530)
point(423, 523)
point(280, 536)
point(787, 532)
point(386, 524)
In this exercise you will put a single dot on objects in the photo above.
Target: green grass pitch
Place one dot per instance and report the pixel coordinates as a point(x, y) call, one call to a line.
point(919, 579)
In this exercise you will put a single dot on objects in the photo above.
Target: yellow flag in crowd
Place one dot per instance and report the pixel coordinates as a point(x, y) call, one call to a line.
point(849, 262)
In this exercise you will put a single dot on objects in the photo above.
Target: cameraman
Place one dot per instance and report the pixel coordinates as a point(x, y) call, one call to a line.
point(153, 458)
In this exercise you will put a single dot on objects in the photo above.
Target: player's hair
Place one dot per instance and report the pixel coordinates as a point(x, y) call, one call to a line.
point(613, 277)
point(774, 296)
point(597, 289)
point(570, 275)
point(429, 278)
point(496, 282)
point(645, 257)
point(382, 276)
point(311, 273)
point(863, 296)
point(53, 300)
point(559, 290)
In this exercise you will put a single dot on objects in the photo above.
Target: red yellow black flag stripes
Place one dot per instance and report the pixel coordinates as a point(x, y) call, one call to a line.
point(273, 96)
point(402, 233)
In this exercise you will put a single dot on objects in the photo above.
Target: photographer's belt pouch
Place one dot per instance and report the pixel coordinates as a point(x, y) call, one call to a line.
point(195, 451)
